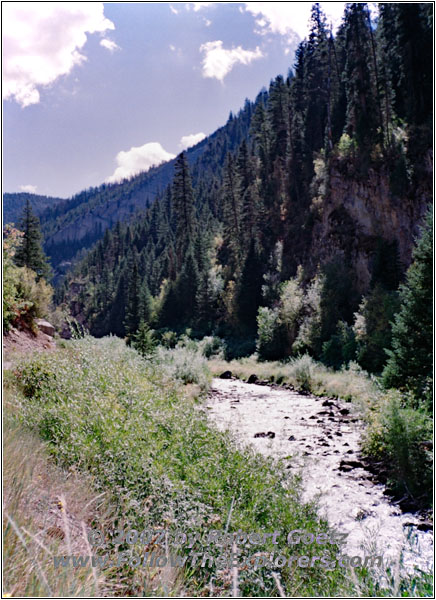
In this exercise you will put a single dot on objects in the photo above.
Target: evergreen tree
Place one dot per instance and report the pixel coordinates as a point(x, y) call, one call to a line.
point(363, 115)
point(410, 361)
point(183, 203)
point(30, 253)
point(249, 296)
point(231, 252)
point(133, 317)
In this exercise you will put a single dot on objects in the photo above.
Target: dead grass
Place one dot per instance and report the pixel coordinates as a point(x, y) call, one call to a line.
point(351, 384)
point(47, 512)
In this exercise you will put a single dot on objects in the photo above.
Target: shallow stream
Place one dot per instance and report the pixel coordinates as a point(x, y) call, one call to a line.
point(320, 438)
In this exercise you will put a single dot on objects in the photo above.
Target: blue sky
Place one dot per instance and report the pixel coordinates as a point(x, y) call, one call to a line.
point(97, 92)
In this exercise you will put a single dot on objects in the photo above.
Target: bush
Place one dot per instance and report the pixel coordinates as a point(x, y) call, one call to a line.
point(269, 343)
point(144, 341)
point(211, 346)
point(346, 146)
point(303, 369)
point(37, 293)
point(185, 364)
point(340, 349)
point(168, 339)
point(398, 436)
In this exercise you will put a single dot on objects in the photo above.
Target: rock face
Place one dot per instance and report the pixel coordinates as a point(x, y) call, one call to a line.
point(45, 327)
point(353, 214)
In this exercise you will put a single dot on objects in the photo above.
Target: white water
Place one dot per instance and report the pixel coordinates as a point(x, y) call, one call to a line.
point(348, 497)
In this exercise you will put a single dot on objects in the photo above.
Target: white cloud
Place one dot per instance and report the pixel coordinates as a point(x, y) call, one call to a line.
point(137, 159)
point(172, 48)
point(207, 22)
point(31, 189)
point(42, 41)
point(196, 6)
point(174, 10)
point(109, 45)
point(218, 61)
point(187, 141)
point(287, 17)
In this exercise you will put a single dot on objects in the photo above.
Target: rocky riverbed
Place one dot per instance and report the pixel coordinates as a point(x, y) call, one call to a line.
point(319, 438)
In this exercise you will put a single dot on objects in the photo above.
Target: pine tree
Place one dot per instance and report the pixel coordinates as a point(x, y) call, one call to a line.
point(183, 203)
point(30, 254)
point(363, 114)
point(133, 317)
point(410, 361)
point(231, 250)
point(249, 296)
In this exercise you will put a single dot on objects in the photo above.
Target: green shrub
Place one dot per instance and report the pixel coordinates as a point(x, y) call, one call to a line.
point(211, 346)
point(303, 369)
point(398, 435)
point(168, 339)
point(340, 349)
point(183, 363)
point(269, 343)
point(144, 341)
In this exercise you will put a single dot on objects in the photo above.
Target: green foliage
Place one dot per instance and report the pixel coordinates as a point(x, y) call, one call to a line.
point(410, 362)
point(168, 339)
point(36, 293)
point(346, 146)
point(144, 340)
point(12, 303)
point(372, 328)
point(25, 296)
point(340, 349)
point(303, 369)
point(269, 342)
point(30, 253)
point(399, 436)
point(107, 412)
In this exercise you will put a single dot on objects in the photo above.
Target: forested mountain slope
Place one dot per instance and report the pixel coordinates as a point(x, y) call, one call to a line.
point(13, 205)
point(73, 225)
point(312, 224)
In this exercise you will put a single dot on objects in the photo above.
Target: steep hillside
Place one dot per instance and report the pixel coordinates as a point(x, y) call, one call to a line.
point(73, 225)
point(13, 205)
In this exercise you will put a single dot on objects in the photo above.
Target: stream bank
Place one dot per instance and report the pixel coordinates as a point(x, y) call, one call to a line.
point(320, 439)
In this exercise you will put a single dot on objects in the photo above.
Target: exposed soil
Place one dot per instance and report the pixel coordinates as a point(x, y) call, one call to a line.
point(319, 438)
point(18, 342)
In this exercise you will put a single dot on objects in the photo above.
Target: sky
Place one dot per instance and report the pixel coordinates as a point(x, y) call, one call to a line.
point(96, 92)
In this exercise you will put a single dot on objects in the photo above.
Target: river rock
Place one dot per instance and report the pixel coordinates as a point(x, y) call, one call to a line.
point(226, 375)
point(252, 379)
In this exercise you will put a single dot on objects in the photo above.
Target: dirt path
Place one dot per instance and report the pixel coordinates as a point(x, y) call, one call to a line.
point(320, 437)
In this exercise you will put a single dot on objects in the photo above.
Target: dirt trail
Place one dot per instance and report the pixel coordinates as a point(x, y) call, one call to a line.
point(320, 437)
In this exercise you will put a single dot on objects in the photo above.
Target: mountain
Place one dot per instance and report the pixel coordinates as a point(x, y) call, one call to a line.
point(72, 226)
point(296, 222)
point(13, 205)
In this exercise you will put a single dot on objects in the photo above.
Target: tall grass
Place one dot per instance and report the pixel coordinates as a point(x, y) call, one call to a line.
point(305, 374)
point(100, 407)
point(143, 441)
point(34, 530)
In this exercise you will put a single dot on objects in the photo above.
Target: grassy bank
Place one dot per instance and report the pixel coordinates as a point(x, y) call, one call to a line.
point(138, 431)
point(44, 508)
